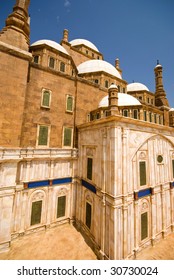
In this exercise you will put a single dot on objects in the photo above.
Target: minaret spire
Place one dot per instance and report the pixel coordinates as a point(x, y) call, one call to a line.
point(17, 29)
point(160, 95)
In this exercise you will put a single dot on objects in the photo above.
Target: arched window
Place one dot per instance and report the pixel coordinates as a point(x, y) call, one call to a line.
point(46, 98)
point(69, 103)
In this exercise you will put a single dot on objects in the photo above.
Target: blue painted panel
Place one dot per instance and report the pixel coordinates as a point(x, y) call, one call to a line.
point(172, 184)
point(88, 186)
point(62, 181)
point(144, 193)
point(38, 184)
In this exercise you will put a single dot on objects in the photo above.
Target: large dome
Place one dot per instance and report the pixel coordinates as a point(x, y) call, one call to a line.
point(91, 66)
point(136, 87)
point(51, 44)
point(124, 99)
point(87, 43)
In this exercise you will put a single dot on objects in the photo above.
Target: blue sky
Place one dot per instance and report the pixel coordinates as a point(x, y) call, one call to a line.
point(138, 32)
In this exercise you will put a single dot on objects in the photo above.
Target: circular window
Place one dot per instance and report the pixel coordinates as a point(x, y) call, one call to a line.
point(160, 158)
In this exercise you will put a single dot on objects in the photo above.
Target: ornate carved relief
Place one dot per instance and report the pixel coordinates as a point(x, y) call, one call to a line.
point(37, 195)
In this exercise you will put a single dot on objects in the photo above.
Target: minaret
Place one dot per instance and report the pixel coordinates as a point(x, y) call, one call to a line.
point(113, 100)
point(15, 58)
point(17, 29)
point(160, 95)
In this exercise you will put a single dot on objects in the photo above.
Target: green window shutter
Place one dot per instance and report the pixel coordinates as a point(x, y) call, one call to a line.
point(69, 104)
point(173, 167)
point(88, 215)
point(46, 99)
point(43, 135)
point(144, 226)
point(89, 168)
point(67, 136)
point(142, 167)
point(61, 206)
point(36, 212)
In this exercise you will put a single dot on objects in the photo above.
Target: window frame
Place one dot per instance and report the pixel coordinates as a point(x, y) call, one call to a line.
point(63, 137)
point(72, 97)
point(89, 226)
point(62, 64)
point(140, 177)
point(38, 134)
point(32, 214)
point(89, 170)
point(42, 98)
point(143, 237)
point(64, 209)
point(49, 62)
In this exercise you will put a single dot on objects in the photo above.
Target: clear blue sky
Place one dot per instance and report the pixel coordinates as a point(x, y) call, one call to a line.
point(138, 32)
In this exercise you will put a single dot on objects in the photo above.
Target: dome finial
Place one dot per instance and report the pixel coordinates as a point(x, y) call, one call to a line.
point(157, 61)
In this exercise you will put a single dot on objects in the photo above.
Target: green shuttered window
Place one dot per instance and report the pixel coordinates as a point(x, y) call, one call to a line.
point(61, 206)
point(69, 103)
point(43, 135)
point(46, 99)
point(142, 167)
point(144, 226)
point(67, 137)
point(89, 168)
point(88, 215)
point(36, 212)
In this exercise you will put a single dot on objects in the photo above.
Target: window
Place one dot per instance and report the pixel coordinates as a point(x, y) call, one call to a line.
point(61, 206)
point(96, 81)
point(106, 84)
point(173, 167)
point(43, 135)
point(69, 103)
point(36, 212)
point(142, 168)
point(125, 113)
point(144, 226)
point(88, 215)
point(62, 66)
point(46, 98)
point(118, 88)
point(145, 116)
point(89, 168)
point(150, 116)
point(155, 118)
point(135, 114)
point(124, 90)
point(36, 59)
point(52, 62)
point(67, 137)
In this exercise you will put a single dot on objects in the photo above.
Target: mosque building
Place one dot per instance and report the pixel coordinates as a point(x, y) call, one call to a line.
point(80, 145)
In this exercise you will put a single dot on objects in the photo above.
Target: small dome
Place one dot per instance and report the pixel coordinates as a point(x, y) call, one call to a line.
point(171, 110)
point(51, 44)
point(96, 65)
point(113, 86)
point(87, 43)
point(124, 99)
point(136, 87)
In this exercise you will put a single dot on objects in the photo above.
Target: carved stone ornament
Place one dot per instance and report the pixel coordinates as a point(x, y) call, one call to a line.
point(144, 206)
point(62, 191)
point(38, 195)
point(90, 152)
point(142, 155)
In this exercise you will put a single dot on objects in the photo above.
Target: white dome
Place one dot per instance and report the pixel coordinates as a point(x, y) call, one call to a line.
point(96, 65)
point(136, 87)
point(51, 44)
point(171, 110)
point(87, 43)
point(124, 99)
